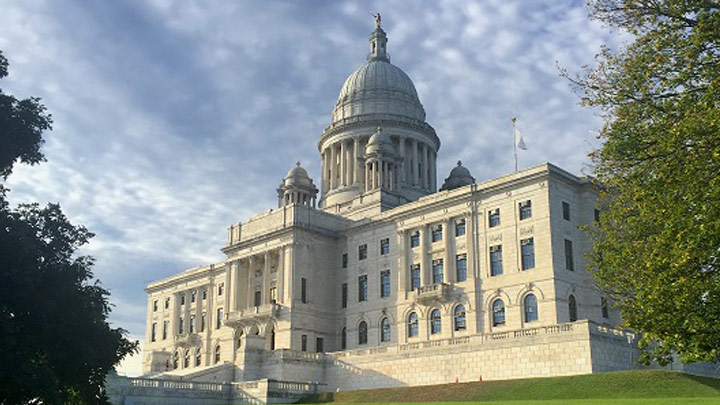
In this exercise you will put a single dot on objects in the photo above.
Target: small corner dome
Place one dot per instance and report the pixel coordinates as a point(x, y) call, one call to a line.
point(459, 176)
point(380, 142)
point(297, 176)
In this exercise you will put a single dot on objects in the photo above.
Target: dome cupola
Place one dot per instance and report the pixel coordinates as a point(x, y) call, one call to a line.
point(297, 188)
point(459, 176)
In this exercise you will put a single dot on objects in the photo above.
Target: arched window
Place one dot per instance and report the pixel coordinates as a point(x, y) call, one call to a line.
point(176, 360)
point(459, 318)
point(385, 328)
point(498, 312)
point(343, 339)
point(198, 357)
point(217, 354)
point(531, 310)
point(186, 359)
point(572, 308)
point(412, 324)
point(362, 333)
point(435, 322)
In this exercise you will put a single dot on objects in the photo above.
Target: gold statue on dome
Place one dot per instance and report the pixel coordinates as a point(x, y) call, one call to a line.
point(378, 19)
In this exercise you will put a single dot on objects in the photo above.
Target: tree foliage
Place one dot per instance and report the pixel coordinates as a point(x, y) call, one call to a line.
point(657, 245)
point(56, 345)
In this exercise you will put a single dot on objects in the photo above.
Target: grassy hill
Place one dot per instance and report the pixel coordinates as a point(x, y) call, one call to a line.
point(634, 386)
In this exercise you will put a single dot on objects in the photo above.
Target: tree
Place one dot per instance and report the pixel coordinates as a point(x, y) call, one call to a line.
point(56, 345)
point(657, 245)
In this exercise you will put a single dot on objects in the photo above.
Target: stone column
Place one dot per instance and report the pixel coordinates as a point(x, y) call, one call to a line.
point(449, 259)
point(343, 166)
point(473, 267)
point(333, 167)
point(433, 170)
point(289, 267)
point(228, 287)
point(323, 181)
point(355, 160)
point(281, 275)
point(414, 169)
point(402, 168)
point(234, 288)
point(265, 293)
point(424, 275)
point(402, 263)
point(251, 282)
point(424, 173)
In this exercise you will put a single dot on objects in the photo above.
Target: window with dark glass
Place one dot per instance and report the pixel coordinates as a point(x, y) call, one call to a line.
point(415, 239)
point(182, 299)
point(437, 269)
point(530, 308)
point(494, 218)
point(319, 343)
point(414, 276)
point(413, 327)
point(436, 234)
point(385, 284)
point(153, 332)
point(186, 359)
point(527, 250)
point(498, 312)
point(566, 210)
point(203, 318)
point(181, 326)
point(204, 293)
point(167, 303)
point(217, 354)
point(459, 318)
point(461, 267)
point(344, 260)
point(362, 288)
point(273, 294)
point(569, 261)
point(385, 330)
point(198, 358)
point(496, 266)
point(384, 246)
point(193, 295)
point(344, 295)
point(219, 320)
point(572, 308)
point(155, 306)
point(362, 333)
point(460, 227)
point(303, 343)
point(362, 252)
point(258, 298)
point(166, 326)
point(192, 323)
point(221, 289)
point(303, 290)
point(525, 210)
point(435, 322)
point(604, 307)
point(176, 360)
point(343, 339)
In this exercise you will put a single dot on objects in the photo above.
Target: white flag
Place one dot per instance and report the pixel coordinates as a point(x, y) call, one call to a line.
point(519, 141)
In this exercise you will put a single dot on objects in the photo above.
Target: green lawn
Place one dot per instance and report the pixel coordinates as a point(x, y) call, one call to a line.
point(623, 387)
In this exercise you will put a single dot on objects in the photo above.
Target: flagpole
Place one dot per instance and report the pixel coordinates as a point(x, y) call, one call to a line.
point(514, 142)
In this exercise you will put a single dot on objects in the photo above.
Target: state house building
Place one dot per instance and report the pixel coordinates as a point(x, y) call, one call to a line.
point(378, 278)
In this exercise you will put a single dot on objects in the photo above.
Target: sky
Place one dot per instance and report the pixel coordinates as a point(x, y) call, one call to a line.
point(174, 119)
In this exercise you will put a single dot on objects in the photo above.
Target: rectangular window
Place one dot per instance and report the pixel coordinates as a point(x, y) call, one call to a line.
point(166, 326)
point(167, 303)
point(414, 276)
point(362, 288)
point(461, 266)
point(597, 215)
point(604, 307)
point(181, 326)
point(566, 210)
point(437, 269)
point(362, 252)
point(496, 266)
point(219, 320)
point(303, 343)
point(303, 290)
point(385, 284)
point(494, 218)
point(460, 227)
point(221, 289)
point(344, 260)
point(384, 246)
point(527, 249)
point(153, 332)
point(155, 306)
point(415, 239)
point(319, 345)
point(273, 294)
point(258, 298)
point(525, 210)
point(436, 235)
point(192, 323)
point(203, 318)
point(204, 294)
point(193, 295)
point(569, 261)
point(344, 295)
point(182, 299)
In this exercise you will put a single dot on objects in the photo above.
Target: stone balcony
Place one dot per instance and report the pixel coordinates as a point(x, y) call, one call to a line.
point(259, 314)
point(433, 293)
point(187, 339)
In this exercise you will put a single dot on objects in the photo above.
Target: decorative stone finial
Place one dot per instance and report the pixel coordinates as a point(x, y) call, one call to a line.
point(459, 162)
point(297, 163)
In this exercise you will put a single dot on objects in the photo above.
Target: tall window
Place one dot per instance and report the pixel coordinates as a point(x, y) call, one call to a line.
point(413, 324)
point(167, 303)
point(192, 323)
point(362, 251)
point(572, 308)
point(258, 298)
point(498, 312)
point(182, 299)
point(303, 343)
point(531, 309)
point(198, 357)
point(415, 239)
point(569, 261)
point(461, 267)
point(344, 295)
point(166, 326)
point(343, 338)
point(221, 289)
point(414, 276)
point(202, 322)
point(494, 218)
point(319, 343)
point(385, 283)
point(385, 330)
point(384, 246)
point(437, 267)
point(566, 210)
point(525, 210)
point(362, 333)
point(303, 290)
point(460, 227)
point(435, 322)
point(176, 360)
point(181, 326)
point(604, 307)
point(204, 293)
point(436, 233)
point(155, 306)
point(362, 288)
point(344, 260)
point(153, 332)
point(527, 248)
point(496, 266)
point(273, 294)
point(186, 359)
point(219, 320)
point(459, 318)
point(217, 354)
point(193, 295)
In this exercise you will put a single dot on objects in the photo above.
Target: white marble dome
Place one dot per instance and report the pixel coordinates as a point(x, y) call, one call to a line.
point(298, 176)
